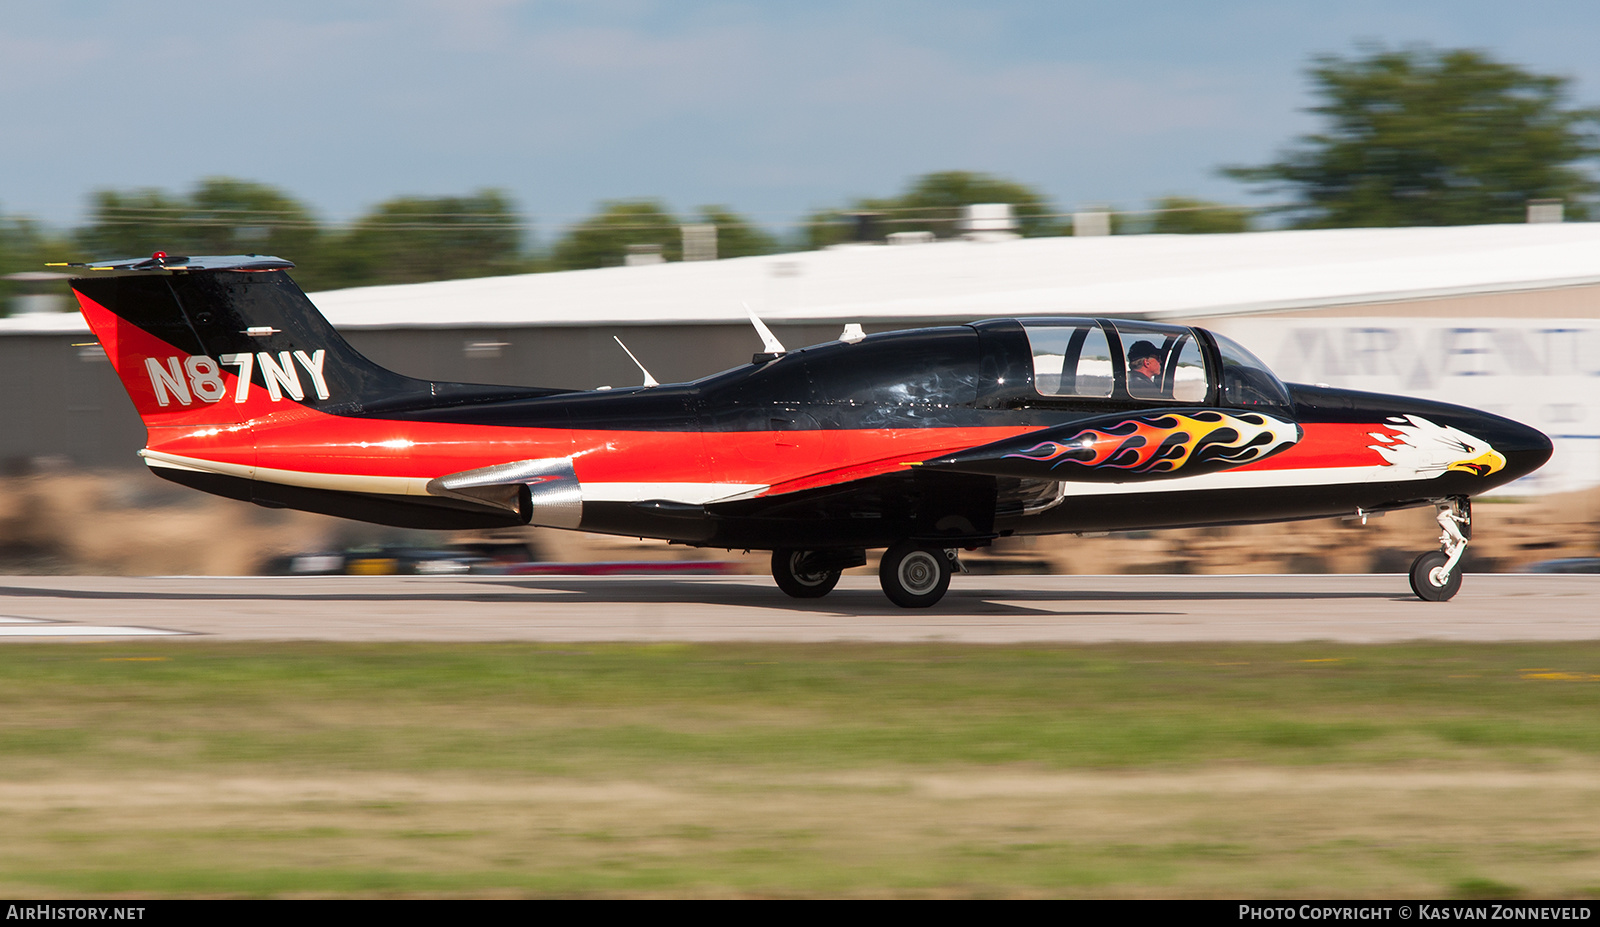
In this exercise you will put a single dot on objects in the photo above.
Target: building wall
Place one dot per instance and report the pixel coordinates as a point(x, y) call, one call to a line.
point(63, 405)
point(1568, 302)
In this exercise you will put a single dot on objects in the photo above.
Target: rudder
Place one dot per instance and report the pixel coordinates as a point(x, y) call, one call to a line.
point(226, 345)
point(225, 340)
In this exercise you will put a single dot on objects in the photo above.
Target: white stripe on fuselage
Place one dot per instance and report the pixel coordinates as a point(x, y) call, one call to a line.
point(1250, 479)
point(689, 493)
point(338, 482)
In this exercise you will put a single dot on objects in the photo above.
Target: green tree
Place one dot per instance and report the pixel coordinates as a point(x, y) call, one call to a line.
point(1425, 137)
point(229, 216)
point(132, 223)
point(934, 203)
point(736, 237)
point(220, 216)
point(417, 239)
point(602, 240)
point(25, 248)
point(1183, 215)
point(824, 227)
point(19, 239)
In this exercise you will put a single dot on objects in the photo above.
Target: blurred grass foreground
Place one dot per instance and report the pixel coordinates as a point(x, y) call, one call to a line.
point(1185, 770)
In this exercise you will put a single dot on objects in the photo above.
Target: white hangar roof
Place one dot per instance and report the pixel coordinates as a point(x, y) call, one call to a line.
point(1150, 276)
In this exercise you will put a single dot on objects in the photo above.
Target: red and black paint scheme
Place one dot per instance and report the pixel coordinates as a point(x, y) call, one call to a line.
point(923, 442)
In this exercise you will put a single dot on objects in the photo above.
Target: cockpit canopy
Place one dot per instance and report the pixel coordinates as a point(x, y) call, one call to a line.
point(1246, 381)
point(1071, 364)
point(1089, 359)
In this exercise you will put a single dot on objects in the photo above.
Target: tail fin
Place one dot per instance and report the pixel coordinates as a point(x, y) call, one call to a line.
point(216, 341)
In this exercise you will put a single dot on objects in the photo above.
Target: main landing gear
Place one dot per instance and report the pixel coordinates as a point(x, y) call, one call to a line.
point(913, 574)
point(1436, 575)
point(812, 574)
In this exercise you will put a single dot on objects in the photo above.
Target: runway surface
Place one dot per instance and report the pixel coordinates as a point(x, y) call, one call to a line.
point(978, 609)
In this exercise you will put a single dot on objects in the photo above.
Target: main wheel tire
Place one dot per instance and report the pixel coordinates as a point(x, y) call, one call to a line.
point(1428, 580)
point(914, 576)
point(797, 582)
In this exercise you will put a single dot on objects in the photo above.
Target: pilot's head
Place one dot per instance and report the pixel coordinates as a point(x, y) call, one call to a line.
point(1144, 358)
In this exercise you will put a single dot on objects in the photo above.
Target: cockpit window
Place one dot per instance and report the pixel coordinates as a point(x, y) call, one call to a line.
point(1163, 363)
point(1246, 381)
point(1070, 358)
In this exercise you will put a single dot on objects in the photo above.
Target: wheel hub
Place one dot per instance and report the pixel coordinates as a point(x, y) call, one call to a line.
point(918, 573)
point(804, 576)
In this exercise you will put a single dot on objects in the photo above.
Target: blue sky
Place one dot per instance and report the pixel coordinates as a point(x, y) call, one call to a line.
point(772, 109)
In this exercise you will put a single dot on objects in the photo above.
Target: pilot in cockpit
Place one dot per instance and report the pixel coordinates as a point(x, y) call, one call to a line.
point(1144, 371)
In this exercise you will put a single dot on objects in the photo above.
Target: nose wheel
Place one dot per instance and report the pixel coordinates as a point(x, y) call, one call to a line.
point(915, 576)
point(1430, 580)
point(1436, 575)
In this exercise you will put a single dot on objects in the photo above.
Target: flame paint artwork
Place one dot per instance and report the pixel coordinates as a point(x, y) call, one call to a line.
point(1170, 441)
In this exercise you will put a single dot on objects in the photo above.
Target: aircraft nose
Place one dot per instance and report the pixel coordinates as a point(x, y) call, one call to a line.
point(1525, 449)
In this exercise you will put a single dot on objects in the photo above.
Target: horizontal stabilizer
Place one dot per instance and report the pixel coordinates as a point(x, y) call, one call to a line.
point(175, 262)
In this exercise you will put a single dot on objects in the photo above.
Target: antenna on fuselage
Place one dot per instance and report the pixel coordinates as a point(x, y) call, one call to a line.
point(649, 381)
point(769, 342)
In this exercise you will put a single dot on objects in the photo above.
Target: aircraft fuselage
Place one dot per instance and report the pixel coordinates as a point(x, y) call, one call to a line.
point(936, 438)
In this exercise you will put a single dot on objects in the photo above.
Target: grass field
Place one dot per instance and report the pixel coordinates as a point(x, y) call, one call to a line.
point(195, 769)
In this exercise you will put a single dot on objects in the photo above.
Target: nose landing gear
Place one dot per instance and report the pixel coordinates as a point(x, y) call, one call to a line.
point(1436, 575)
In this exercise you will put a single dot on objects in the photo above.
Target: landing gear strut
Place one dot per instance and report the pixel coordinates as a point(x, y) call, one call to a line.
point(914, 575)
point(1436, 575)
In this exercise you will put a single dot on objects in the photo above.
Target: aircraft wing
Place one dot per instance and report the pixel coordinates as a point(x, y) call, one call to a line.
point(858, 471)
